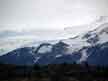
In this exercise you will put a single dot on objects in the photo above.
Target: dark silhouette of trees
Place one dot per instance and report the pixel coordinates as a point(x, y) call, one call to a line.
point(37, 71)
point(56, 72)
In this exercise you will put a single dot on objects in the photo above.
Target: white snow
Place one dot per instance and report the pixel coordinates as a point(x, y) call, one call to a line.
point(36, 59)
point(59, 55)
point(76, 44)
point(45, 49)
point(83, 57)
point(103, 38)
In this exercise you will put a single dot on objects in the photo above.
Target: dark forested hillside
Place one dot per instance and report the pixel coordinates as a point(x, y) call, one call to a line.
point(54, 72)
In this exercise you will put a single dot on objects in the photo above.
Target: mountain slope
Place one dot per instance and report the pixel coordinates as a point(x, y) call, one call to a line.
point(21, 56)
point(91, 47)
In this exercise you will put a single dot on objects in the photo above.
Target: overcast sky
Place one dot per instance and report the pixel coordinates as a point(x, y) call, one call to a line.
point(50, 13)
point(27, 15)
point(46, 19)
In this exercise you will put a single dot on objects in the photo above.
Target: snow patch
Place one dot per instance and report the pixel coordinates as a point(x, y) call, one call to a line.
point(59, 55)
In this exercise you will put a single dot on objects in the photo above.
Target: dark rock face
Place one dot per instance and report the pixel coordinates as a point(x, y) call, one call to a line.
point(98, 55)
point(27, 55)
point(21, 56)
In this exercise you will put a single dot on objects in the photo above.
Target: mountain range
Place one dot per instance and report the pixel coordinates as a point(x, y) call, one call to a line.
point(90, 47)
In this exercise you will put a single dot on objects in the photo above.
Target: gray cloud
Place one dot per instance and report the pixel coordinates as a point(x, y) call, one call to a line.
point(26, 20)
point(49, 11)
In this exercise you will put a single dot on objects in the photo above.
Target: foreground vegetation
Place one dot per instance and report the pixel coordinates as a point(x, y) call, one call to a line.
point(53, 72)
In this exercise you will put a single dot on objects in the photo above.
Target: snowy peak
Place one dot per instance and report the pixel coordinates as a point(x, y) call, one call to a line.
point(90, 46)
point(103, 28)
point(102, 19)
point(89, 40)
point(100, 34)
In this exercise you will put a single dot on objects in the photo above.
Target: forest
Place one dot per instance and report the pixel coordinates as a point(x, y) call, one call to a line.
point(53, 72)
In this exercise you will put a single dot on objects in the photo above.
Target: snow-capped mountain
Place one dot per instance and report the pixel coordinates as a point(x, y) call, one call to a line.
point(91, 47)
